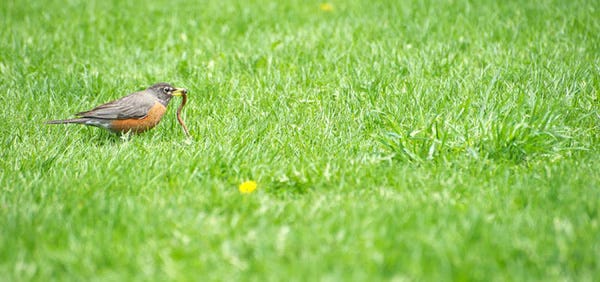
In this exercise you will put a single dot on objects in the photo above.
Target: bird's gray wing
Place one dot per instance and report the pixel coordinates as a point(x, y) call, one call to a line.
point(135, 105)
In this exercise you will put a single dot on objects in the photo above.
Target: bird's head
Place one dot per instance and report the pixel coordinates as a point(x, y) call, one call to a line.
point(164, 92)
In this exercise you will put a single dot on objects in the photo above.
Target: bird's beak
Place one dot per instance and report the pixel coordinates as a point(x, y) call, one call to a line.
point(179, 91)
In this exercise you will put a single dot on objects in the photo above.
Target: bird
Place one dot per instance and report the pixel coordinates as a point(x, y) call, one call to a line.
point(135, 113)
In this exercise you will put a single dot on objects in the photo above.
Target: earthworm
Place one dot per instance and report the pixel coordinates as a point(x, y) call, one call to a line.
point(179, 119)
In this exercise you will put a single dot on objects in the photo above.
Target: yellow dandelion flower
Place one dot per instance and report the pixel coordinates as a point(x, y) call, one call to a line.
point(326, 7)
point(247, 187)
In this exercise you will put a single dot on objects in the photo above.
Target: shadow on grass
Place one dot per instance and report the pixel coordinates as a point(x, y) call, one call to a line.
point(87, 134)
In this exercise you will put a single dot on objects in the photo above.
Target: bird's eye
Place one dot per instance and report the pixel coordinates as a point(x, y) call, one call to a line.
point(167, 89)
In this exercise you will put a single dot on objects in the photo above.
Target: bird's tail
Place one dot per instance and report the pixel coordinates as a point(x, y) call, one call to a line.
point(71, 120)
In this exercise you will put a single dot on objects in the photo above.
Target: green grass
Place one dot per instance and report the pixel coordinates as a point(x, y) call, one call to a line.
point(391, 141)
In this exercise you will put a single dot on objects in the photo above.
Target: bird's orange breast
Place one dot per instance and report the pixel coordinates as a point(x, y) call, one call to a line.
point(139, 125)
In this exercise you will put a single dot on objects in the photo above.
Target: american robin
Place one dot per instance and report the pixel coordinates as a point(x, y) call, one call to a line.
point(135, 113)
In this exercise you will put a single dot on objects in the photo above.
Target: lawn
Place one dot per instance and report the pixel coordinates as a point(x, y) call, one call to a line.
point(391, 140)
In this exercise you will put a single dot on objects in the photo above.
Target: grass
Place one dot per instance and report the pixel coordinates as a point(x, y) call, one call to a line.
point(390, 140)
